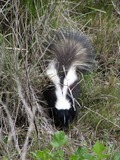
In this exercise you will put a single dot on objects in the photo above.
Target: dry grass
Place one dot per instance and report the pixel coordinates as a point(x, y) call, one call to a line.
point(24, 27)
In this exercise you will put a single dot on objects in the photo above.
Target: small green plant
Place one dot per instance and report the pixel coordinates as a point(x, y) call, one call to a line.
point(56, 153)
point(98, 151)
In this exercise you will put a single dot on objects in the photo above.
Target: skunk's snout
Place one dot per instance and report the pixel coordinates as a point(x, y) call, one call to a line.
point(62, 118)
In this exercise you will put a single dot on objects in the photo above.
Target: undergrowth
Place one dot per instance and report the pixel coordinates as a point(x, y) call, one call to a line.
point(24, 124)
point(97, 152)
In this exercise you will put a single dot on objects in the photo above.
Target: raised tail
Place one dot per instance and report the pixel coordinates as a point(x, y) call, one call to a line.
point(72, 48)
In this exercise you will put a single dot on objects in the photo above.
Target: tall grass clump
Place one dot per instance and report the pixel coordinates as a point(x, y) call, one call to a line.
point(24, 27)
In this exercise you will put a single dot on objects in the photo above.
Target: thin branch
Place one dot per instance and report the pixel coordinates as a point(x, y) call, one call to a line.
point(12, 127)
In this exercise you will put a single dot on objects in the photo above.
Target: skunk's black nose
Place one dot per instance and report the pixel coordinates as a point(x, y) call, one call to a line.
point(62, 118)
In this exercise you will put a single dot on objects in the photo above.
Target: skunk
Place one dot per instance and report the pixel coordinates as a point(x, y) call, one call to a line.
point(72, 52)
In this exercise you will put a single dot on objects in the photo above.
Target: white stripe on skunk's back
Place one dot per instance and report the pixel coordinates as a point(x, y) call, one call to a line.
point(51, 72)
point(70, 78)
point(62, 102)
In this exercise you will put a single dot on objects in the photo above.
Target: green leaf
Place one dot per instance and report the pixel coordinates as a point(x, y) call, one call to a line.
point(81, 150)
point(61, 153)
point(59, 139)
point(83, 153)
point(41, 155)
point(57, 154)
point(74, 157)
point(5, 158)
point(117, 156)
point(98, 148)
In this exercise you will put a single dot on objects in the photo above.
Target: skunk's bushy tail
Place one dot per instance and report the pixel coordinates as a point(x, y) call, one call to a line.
point(72, 48)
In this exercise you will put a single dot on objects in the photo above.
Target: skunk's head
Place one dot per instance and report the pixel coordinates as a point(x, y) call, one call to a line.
point(64, 110)
point(61, 98)
point(61, 110)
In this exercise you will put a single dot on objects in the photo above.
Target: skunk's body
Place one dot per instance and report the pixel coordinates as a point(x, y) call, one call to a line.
point(72, 51)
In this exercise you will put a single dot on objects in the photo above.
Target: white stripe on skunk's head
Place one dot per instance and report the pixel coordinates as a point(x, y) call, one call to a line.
point(62, 103)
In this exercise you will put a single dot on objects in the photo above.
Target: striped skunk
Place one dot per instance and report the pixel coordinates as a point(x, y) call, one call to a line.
point(72, 52)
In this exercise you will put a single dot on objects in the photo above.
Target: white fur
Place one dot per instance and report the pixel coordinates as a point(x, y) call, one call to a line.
point(62, 103)
point(51, 72)
point(70, 78)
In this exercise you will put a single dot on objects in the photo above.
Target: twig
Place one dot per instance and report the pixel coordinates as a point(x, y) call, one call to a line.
point(116, 8)
point(12, 127)
point(17, 49)
point(30, 118)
